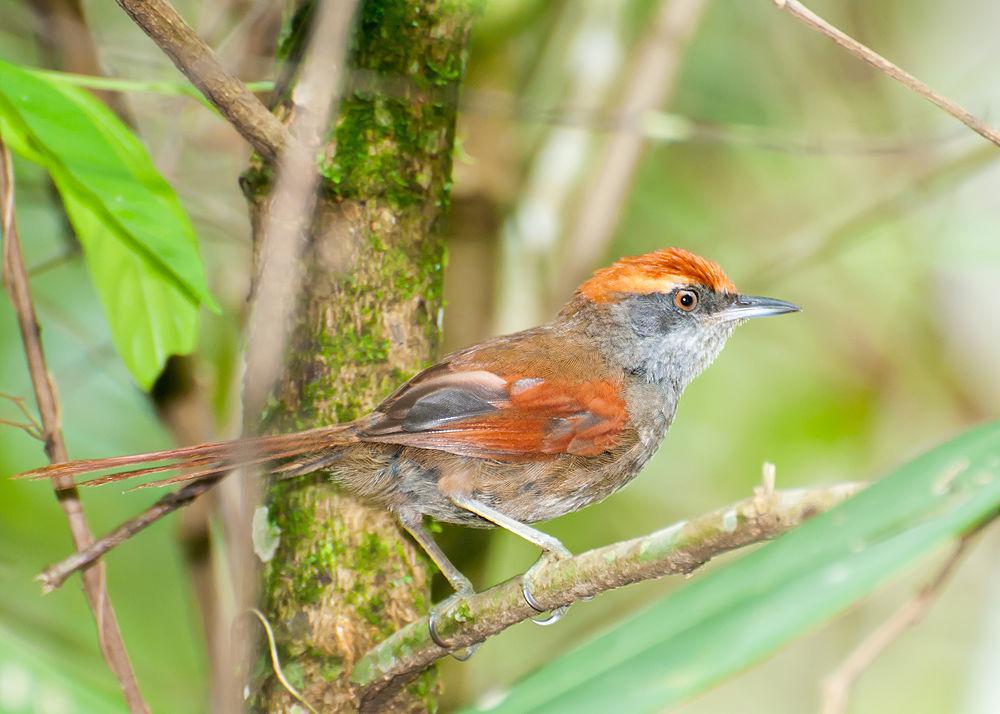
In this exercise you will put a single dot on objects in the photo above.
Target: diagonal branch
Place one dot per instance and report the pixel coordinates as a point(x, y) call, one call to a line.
point(679, 549)
point(55, 575)
point(198, 62)
point(649, 86)
point(66, 39)
point(16, 281)
point(837, 685)
point(292, 201)
point(864, 53)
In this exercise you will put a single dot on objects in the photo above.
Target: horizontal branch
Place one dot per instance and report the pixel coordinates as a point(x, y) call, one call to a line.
point(198, 62)
point(866, 54)
point(679, 549)
point(654, 126)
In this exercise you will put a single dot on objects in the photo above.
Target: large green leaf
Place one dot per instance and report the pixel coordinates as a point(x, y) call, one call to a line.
point(44, 673)
point(733, 617)
point(138, 241)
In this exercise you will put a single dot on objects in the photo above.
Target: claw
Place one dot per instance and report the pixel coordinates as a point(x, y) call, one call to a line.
point(555, 615)
point(432, 619)
point(466, 653)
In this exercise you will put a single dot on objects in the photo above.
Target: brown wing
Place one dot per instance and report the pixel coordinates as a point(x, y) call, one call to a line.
point(513, 399)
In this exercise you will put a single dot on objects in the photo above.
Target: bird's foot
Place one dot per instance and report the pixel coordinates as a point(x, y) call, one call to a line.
point(432, 623)
point(548, 557)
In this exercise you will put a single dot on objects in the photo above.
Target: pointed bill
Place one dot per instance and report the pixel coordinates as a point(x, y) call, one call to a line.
point(748, 306)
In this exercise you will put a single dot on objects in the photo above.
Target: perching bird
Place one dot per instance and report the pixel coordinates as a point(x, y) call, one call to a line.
point(520, 428)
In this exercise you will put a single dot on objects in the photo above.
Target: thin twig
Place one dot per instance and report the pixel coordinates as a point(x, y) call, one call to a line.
point(837, 685)
point(813, 243)
point(864, 53)
point(654, 126)
point(16, 281)
point(30, 426)
point(272, 649)
point(198, 62)
point(283, 234)
point(649, 86)
point(293, 199)
point(27, 427)
point(61, 26)
point(285, 223)
point(55, 575)
point(681, 548)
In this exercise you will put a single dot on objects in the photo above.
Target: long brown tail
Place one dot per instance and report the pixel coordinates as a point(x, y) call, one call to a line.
point(297, 453)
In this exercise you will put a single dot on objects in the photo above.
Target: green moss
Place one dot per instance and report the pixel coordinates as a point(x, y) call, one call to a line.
point(363, 331)
point(396, 143)
point(294, 674)
point(388, 148)
point(294, 31)
point(331, 668)
point(371, 554)
point(425, 688)
point(255, 182)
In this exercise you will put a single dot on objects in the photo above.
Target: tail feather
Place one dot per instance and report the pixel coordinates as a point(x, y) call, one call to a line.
point(205, 460)
point(207, 469)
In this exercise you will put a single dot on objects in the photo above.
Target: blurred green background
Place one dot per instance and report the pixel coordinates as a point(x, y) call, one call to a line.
point(808, 176)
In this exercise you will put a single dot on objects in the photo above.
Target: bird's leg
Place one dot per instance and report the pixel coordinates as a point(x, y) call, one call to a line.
point(413, 522)
point(551, 546)
point(414, 525)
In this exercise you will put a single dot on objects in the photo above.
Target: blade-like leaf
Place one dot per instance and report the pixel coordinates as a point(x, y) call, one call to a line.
point(138, 241)
point(39, 670)
point(114, 84)
point(738, 614)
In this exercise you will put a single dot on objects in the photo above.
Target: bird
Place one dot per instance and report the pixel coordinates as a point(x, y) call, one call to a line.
point(515, 430)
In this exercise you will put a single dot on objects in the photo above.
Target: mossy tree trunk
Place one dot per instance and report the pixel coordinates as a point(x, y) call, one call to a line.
point(343, 576)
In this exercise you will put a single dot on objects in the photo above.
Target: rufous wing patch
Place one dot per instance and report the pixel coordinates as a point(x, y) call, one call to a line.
point(539, 418)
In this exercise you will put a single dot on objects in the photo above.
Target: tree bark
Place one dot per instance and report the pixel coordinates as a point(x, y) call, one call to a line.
point(343, 577)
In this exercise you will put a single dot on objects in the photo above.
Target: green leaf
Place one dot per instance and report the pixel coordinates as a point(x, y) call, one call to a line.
point(164, 87)
point(738, 614)
point(139, 244)
point(39, 674)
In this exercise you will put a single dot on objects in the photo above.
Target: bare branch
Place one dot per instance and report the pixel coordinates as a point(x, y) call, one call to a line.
point(815, 242)
point(30, 425)
point(198, 62)
point(287, 234)
point(679, 549)
point(284, 228)
point(55, 575)
point(651, 83)
point(293, 200)
point(16, 281)
point(862, 52)
point(837, 685)
point(65, 37)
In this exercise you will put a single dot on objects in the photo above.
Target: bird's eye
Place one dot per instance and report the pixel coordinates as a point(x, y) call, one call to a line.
point(686, 300)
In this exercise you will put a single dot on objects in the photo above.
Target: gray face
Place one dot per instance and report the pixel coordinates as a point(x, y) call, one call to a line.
point(669, 344)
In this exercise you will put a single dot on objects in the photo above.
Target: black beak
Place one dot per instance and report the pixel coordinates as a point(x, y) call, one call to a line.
point(747, 306)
